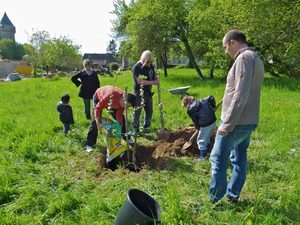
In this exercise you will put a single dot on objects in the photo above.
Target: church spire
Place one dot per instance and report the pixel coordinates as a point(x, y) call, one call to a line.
point(5, 21)
point(7, 29)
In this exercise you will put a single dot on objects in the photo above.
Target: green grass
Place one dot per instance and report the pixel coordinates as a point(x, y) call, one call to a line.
point(47, 178)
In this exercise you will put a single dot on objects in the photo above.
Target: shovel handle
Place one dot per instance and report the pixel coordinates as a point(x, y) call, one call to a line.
point(194, 136)
point(218, 105)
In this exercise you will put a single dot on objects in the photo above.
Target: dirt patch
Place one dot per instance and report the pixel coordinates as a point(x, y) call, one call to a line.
point(156, 154)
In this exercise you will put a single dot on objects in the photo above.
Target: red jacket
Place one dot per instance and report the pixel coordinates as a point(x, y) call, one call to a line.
point(103, 95)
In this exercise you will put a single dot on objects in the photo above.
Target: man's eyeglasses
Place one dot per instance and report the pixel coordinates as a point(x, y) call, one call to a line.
point(225, 46)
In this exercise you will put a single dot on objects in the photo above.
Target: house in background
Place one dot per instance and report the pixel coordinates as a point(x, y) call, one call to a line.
point(104, 59)
point(8, 66)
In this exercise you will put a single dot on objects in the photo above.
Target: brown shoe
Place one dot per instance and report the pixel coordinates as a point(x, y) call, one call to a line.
point(232, 199)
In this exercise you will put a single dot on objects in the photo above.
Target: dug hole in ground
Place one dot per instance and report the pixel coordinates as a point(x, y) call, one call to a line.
point(160, 153)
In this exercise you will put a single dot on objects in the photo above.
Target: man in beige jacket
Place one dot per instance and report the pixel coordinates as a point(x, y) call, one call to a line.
point(239, 117)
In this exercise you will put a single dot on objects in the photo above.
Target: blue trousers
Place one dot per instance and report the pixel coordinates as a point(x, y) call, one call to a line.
point(203, 139)
point(235, 145)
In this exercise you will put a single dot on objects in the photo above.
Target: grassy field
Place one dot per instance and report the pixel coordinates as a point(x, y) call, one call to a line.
point(46, 177)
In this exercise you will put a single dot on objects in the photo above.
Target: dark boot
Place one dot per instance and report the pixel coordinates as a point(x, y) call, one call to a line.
point(208, 147)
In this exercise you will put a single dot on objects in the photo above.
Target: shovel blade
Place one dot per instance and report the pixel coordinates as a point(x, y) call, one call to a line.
point(186, 145)
point(163, 134)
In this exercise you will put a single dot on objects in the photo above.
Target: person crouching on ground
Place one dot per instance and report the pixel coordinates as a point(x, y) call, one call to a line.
point(101, 100)
point(65, 112)
point(202, 113)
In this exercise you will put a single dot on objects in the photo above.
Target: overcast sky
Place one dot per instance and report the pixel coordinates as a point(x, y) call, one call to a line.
point(86, 23)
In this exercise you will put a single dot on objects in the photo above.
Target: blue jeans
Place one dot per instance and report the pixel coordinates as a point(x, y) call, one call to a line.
point(148, 107)
point(235, 145)
point(87, 108)
point(203, 138)
point(66, 127)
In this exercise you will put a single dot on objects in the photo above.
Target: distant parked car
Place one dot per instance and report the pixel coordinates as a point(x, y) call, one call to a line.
point(13, 77)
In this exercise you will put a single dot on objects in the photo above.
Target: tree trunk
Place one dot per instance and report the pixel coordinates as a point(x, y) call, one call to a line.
point(211, 74)
point(191, 57)
point(164, 60)
point(34, 70)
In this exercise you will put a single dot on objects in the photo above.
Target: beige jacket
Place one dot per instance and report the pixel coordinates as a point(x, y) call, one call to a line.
point(241, 99)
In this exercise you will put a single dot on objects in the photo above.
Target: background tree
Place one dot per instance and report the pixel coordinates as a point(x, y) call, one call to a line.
point(274, 28)
point(149, 29)
point(271, 27)
point(196, 28)
point(210, 23)
point(112, 47)
point(61, 53)
point(156, 25)
point(35, 50)
point(11, 50)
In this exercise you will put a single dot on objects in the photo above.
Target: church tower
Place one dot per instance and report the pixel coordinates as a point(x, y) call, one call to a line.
point(7, 29)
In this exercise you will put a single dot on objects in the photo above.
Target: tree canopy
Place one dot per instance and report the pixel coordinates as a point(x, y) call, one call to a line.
point(53, 53)
point(196, 28)
point(10, 49)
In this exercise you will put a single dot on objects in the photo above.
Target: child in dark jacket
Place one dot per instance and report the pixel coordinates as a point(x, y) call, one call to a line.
point(65, 112)
point(202, 113)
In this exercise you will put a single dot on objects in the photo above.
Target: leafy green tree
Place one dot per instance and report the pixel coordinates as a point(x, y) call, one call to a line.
point(273, 27)
point(11, 50)
point(210, 23)
point(149, 29)
point(155, 25)
point(61, 52)
point(35, 50)
point(196, 28)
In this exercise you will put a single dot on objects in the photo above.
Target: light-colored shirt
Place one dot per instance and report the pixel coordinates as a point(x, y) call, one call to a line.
point(89, 72)
point(241, 101)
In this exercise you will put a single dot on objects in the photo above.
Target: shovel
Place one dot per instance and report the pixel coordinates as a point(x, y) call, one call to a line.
point(162, 133)
point(190, 142)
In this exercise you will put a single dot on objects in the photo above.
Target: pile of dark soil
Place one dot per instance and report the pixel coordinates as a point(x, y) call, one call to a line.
point(155, 155)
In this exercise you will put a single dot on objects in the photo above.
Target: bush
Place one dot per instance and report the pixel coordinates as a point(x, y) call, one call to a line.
point(114, 66)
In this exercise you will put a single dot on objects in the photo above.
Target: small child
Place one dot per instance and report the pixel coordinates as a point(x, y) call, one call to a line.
point(65, 112)
point(202, 113)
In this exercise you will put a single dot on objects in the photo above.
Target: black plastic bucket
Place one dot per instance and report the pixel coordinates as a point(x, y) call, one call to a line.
point(138, 208)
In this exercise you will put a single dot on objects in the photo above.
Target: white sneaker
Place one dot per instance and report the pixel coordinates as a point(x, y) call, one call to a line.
point(130, 141)
point(89, 148)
